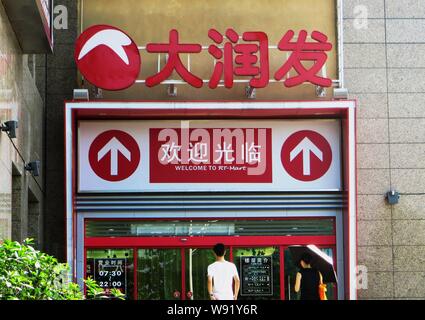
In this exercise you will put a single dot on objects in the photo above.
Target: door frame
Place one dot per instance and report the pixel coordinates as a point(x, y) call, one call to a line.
point(184, 243)
point(84, 243)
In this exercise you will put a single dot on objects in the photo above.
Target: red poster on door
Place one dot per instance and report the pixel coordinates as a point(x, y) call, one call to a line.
point(210, 155)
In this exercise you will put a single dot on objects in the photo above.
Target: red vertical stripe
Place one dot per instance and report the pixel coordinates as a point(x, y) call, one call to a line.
point(183, 294)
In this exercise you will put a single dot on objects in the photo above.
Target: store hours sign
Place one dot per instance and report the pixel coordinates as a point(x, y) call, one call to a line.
point(110, 273)
point(209, 155)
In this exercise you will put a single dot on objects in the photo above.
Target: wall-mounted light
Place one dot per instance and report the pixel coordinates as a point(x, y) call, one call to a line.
point(34, 168)
point(340, 93)
point(392, 197)
point(81, 94)
point(10, 127)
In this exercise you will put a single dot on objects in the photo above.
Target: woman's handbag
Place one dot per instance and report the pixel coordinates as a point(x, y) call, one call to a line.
point(322, 291)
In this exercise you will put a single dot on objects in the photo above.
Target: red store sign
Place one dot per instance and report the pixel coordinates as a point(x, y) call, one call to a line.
point(109, 59)
point(205, 155)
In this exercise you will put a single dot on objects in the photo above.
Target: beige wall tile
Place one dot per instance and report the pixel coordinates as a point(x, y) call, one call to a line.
point(380, 285)
point(374, 233)
point(372, 207)
point(372, 131)
point(411, 156)
point(376, 258)
point(375, 8)
point(366, 80)
point(410, 207)
point(405, 9)
point(408, 180)
point(406, 55)
point(406, 105)
point(409, 284)
point(409, 258)
point(406, 30)
point(371, 105)
point(373, 156)
point(409, 232)
point(407, 130)
point(362, 55)
point(373, 181)
point(406, 80)
point(373, 33)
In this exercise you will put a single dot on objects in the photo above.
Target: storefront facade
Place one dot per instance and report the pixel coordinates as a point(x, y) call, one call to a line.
point(159, 220)
point(228, 132)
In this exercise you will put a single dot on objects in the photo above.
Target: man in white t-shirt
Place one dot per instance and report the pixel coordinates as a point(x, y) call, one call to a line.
point(223, 278)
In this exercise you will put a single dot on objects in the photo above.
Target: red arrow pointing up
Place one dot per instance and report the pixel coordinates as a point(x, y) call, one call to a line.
point(114, 146)
point(114, 155)
point(306, 155)
point(305, 147)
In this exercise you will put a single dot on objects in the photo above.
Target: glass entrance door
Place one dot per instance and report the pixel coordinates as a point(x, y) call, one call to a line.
point(291, 269)
point(197, 261)
point(159, 273)
point(112, 269)
point(259, 272)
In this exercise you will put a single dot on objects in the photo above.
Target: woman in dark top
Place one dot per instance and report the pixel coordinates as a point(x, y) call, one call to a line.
point(308, 280)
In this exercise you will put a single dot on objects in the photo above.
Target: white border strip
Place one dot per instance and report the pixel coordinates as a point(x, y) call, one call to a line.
point(344, 104)
point(69, 192)
point(352, 205)
point(350, 105)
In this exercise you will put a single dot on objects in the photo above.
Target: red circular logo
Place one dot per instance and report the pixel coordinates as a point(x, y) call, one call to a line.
point(114, 155)
point(306, 155)
point(107, 57)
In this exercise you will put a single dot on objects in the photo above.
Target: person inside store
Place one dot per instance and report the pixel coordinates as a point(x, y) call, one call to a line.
point(308, 279)
point(223, 279)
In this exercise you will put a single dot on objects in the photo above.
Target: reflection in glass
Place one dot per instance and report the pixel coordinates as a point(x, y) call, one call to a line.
point(197, 261)
point(291, 270)
point(159, 274)
point(287, 227)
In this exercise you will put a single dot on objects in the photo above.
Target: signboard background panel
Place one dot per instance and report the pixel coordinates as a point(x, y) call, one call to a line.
point(193, 19)
point(139, 181)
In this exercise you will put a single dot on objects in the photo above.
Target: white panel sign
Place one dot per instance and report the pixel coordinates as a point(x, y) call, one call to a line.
point(209, 155)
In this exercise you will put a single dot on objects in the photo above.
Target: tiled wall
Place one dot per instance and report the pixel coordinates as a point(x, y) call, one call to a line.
point(19, 100)
point(384, 70)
